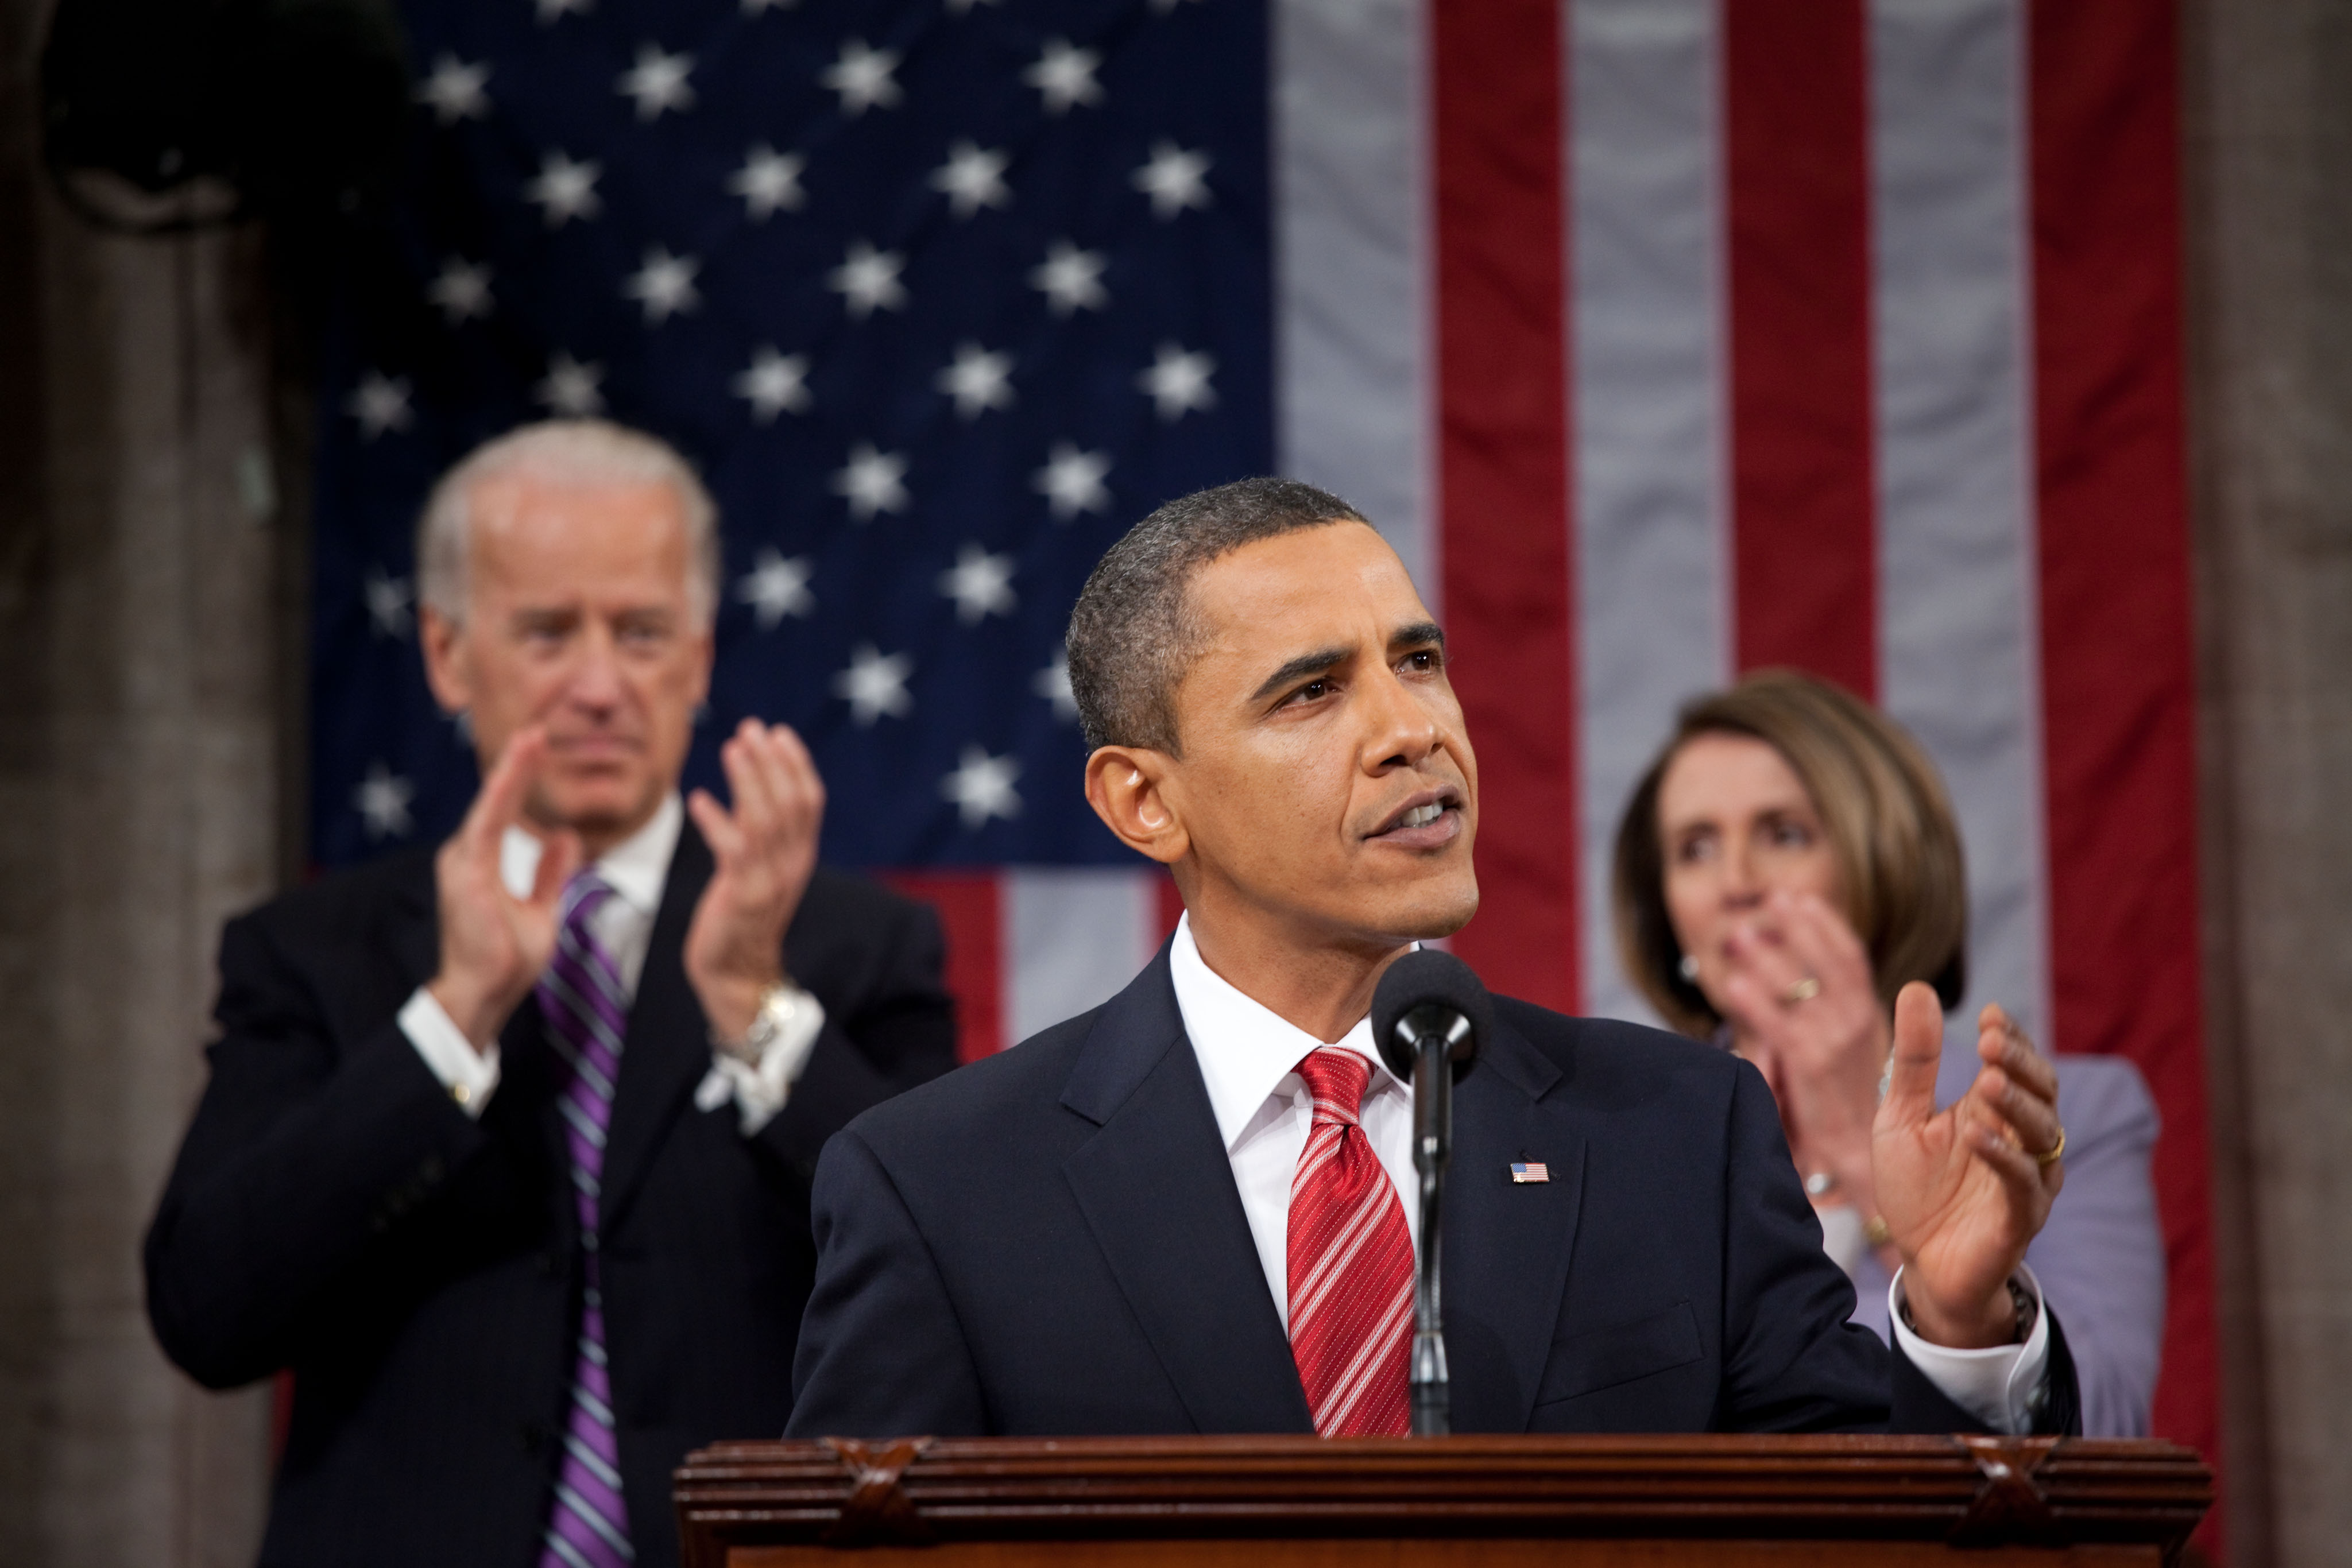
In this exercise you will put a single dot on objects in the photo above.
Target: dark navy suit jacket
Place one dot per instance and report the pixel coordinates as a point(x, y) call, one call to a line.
point(334, 1214)
point(1050, 1243)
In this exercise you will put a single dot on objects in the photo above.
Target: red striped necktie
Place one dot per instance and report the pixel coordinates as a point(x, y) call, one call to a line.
point(1350, 1263)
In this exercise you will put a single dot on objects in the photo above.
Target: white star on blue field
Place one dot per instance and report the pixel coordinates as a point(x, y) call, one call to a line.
point(938, 296)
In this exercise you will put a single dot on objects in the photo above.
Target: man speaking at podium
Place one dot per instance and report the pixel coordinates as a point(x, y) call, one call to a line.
point(1181, 1212)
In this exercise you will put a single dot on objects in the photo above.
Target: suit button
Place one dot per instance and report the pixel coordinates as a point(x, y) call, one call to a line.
point(551, 1263)
point(535, 1437)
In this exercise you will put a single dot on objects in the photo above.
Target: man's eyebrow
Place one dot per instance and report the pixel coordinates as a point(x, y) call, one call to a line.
point(1420, 634)
point(1305, 665)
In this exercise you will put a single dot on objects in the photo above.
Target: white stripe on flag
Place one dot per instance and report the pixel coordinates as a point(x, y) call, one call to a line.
point(1648, 417)
point(1074, 937)
point(1351, 333)
point(1959, 659)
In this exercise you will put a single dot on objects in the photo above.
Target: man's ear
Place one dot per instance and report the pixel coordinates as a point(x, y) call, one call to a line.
point(704, 655)
point(445, 663)
point(1127, 785)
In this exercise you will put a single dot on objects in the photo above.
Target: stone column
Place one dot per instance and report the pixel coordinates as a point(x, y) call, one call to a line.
point(139, 695)
point(2268, 99)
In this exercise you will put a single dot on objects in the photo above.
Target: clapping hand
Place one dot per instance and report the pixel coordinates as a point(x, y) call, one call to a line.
point(1800, 998)
point(1964, 1190)
point(765, 850)
point(495, 946)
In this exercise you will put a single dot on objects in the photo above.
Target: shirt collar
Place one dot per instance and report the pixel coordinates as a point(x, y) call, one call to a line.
point(1246, 1049)
point(635, 868)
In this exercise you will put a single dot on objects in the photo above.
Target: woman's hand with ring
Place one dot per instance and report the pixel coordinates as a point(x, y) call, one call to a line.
point(1799, 999)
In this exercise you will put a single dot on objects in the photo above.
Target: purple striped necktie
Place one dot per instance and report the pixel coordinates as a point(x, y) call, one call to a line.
point(587, 1012)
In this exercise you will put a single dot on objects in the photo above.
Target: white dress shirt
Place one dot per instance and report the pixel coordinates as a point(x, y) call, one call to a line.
point(636, 869)
point(1249, 1057)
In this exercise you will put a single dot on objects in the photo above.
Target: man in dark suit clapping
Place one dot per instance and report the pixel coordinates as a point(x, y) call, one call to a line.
point(506, 1149)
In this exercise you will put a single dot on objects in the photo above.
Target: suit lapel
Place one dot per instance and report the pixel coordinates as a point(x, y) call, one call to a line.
point(667, 1049)
point(1158, 1194)
point(1507, 1244)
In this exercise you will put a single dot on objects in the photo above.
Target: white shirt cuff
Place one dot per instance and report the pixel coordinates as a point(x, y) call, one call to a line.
point(469, 1075)
point(1999, 1386)
point(759, 1089)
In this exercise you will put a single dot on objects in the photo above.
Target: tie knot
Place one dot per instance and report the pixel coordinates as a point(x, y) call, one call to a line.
point(1337, 1079)
point(584, 896)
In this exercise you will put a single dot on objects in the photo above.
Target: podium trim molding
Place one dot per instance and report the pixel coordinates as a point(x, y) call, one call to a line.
point(1970, 1491)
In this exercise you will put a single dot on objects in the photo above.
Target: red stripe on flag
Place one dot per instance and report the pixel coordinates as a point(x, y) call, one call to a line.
point(1497, 76)
point(971, 911)
point(2118, 690)
point(1797, 150)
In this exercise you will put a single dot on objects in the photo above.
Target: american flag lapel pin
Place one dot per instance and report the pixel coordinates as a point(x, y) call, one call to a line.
point(1523, 1172)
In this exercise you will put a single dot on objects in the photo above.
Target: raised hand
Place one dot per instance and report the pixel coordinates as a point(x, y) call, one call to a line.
point(765, 850)
point(1965, 1189)
point(495, 946)
point(1800, 1002)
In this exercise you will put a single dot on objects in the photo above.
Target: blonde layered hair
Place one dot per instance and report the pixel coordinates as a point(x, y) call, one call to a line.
point(1890, 828)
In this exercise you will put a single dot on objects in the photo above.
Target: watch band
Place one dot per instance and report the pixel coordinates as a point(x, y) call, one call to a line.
point(778, 1006)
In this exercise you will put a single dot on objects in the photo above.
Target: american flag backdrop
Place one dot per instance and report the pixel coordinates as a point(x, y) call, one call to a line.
point(1665, 339)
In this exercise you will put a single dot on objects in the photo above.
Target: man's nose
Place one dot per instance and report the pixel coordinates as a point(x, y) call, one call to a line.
point(1401, 731)
point(595, 680)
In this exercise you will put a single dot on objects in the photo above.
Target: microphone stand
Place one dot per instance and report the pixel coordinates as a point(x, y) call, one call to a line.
point(1434, 1033)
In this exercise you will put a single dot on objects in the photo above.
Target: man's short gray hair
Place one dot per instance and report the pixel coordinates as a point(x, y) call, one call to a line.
point(1133, 637)
point(566, 452)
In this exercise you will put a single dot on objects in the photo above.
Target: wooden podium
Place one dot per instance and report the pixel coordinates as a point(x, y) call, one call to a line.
point(1448, 1502)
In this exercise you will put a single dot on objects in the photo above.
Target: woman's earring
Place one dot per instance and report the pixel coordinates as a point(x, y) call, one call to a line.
point(1689, 967)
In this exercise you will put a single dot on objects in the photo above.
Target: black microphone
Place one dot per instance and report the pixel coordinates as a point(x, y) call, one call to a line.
point(1429, 1014)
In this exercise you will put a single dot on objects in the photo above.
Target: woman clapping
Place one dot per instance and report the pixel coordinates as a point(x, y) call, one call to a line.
point(1789, 864)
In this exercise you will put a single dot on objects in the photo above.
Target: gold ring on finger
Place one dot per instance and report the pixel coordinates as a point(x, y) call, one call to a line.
point(1803, 990)
point(2049, 1157)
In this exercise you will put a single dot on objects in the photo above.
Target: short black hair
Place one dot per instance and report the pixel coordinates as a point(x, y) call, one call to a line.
point(1132, 637)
